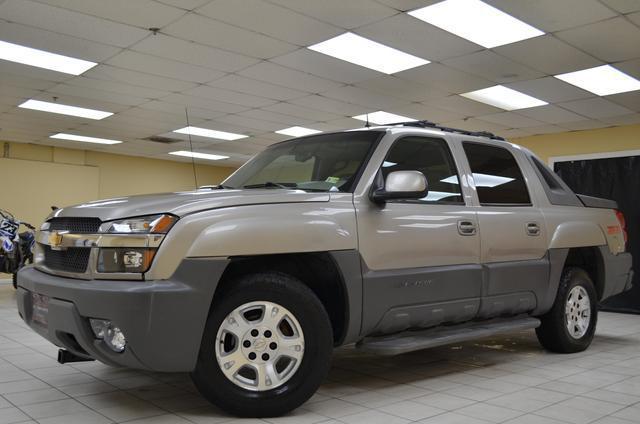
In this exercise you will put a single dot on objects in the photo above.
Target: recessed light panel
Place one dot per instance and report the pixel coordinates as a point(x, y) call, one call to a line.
point(601, 80)
point(364, 52)
point(65, 109)
point(84, 139)
point(205, 132)
point(41, 59)
point(477, 22)
point(297, 131)
point(198, 155)
point(383, 118)
point(504, 98)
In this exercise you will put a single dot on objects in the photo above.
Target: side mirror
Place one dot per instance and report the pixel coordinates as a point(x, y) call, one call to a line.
point(400, 185)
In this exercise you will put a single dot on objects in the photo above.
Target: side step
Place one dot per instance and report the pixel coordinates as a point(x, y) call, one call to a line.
point(409, 341)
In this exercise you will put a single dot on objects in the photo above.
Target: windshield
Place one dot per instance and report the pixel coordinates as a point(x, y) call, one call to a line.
point(327, 162)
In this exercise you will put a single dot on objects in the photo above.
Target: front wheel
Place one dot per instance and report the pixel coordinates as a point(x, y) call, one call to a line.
point(570, 325)
point(266, 347)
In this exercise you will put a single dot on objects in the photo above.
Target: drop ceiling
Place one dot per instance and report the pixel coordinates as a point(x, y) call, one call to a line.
point(243, 66)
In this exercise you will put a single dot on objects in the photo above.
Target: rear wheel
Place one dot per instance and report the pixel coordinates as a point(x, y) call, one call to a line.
point(266, 348)
point(571, 323)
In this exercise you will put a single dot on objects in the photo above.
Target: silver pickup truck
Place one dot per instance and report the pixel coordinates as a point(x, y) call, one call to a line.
point(395, 238)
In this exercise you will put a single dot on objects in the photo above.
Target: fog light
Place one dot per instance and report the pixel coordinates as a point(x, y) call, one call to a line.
point(121, 259)
point(105, 330)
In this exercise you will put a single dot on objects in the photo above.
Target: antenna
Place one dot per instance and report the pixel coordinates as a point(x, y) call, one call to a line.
point(193, 160)
point(366, 124)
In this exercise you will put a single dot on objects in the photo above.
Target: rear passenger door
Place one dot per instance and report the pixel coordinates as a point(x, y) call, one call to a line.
point(419, 268)
point(512, 231)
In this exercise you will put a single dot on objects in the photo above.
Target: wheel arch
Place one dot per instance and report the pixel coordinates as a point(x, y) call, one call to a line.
point(333, 276)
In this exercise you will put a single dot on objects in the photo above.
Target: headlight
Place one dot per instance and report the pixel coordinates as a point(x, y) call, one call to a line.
point(152, 224)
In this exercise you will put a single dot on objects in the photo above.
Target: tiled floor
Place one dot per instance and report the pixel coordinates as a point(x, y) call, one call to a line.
point(507, 379)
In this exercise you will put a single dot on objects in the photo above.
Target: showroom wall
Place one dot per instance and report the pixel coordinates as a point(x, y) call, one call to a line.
point(583, 142)
point(35, 177)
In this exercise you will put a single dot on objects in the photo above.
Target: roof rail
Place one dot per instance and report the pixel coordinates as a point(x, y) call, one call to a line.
point(429, 124)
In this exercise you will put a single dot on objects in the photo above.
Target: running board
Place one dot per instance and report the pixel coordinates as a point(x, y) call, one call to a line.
point(409, 341)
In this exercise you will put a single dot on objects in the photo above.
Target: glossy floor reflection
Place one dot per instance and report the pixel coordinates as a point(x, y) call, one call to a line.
point(504, 379)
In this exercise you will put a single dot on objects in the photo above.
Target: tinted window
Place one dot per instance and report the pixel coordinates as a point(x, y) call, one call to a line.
point(432, 157)
point(547, 175)
point(496, 174)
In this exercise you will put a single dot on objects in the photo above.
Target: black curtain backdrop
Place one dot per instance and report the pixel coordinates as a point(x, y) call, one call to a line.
point(616, 179)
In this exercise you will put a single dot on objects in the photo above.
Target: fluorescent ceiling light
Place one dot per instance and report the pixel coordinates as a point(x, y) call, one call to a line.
point(198, 155)
point(65, 109)
point(41, 59)
point(504, 98)
point(85, 139)
point(297, 131)
point(476, 21)
point(364, 52)
point(601, 80)
point(205, 132)
point(383, 118)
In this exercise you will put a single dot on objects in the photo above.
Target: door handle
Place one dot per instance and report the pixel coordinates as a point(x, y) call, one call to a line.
point(466, 228)
point(533, 229)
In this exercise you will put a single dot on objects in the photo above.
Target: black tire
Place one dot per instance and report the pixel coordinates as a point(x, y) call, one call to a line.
point(14, 279)
point(293, 295)
point(553, 333)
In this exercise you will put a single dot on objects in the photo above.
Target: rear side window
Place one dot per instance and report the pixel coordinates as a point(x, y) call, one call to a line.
point(547, 175)
point(432, 157)
point(497, 176)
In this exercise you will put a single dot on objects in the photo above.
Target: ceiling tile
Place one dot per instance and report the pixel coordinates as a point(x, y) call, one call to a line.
point(634, 17)
point(406, 5)
point(550, 114)
point(259, 88)
point(163, 67)
point(550, 89)
point(462, 105)
point(325, 66)
point(612, 40)
point(320, 102)
point(272, 20)
point(373, 101)
point(631, 119)
point(177, 108)
point(445, 78)
point(548, 54)
point(142, 79)
point(554, 15)
point(630, 100)
point(228, 37)
point(427, 112)
point(623, 6)
point(301, 112)
point(588, 124)
point(280, 75)
point(493, 67)
point(267, 115)
point(401, 88)
point(250, 124)
point(23, 81)
point(631, 67)
point(204, 103)
point(472, 124)
point(344, 14)
point(117, 87)
point(55, 43)
point(92, 93)
point(510, 120)
point(545, 129)
point(193, 53)
point(596, 107)
point(141, 13)
point(514, 133)
point(228, 96)
point(71, 23)
point(31, 72)
point(406, 33)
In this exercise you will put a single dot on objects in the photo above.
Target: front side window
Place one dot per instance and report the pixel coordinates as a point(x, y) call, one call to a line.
point(326, 162)
point(497, 176)
point(432, 157)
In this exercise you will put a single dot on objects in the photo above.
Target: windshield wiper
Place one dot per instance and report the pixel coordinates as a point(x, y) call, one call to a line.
point(269, 184)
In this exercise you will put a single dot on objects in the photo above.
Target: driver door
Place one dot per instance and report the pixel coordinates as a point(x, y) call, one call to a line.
point(421, 258)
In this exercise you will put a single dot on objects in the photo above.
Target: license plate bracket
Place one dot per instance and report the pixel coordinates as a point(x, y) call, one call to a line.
point(40, 311)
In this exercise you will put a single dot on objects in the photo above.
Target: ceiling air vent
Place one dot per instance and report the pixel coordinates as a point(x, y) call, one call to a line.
point(163, 140)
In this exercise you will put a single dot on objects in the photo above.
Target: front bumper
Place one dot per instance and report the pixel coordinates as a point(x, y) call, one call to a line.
point(163, 320)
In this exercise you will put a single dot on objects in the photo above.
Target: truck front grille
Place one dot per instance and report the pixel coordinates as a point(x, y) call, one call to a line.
point(75, 225)
point(73, 259)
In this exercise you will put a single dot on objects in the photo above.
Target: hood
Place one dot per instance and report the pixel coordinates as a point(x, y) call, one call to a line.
point(184, 203)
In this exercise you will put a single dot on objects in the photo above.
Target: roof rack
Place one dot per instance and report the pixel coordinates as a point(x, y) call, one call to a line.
point(429, 124)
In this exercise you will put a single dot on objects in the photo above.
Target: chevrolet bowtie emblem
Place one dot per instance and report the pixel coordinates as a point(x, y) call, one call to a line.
point(55, 239)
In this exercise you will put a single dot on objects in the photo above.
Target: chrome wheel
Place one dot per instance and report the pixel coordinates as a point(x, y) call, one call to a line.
point(578, 312)
point(259, 346)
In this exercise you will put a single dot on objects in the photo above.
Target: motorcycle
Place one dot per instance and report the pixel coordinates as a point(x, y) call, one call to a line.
point(16, 249)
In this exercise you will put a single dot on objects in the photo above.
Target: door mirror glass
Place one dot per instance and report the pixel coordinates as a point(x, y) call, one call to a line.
point(405, 185)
